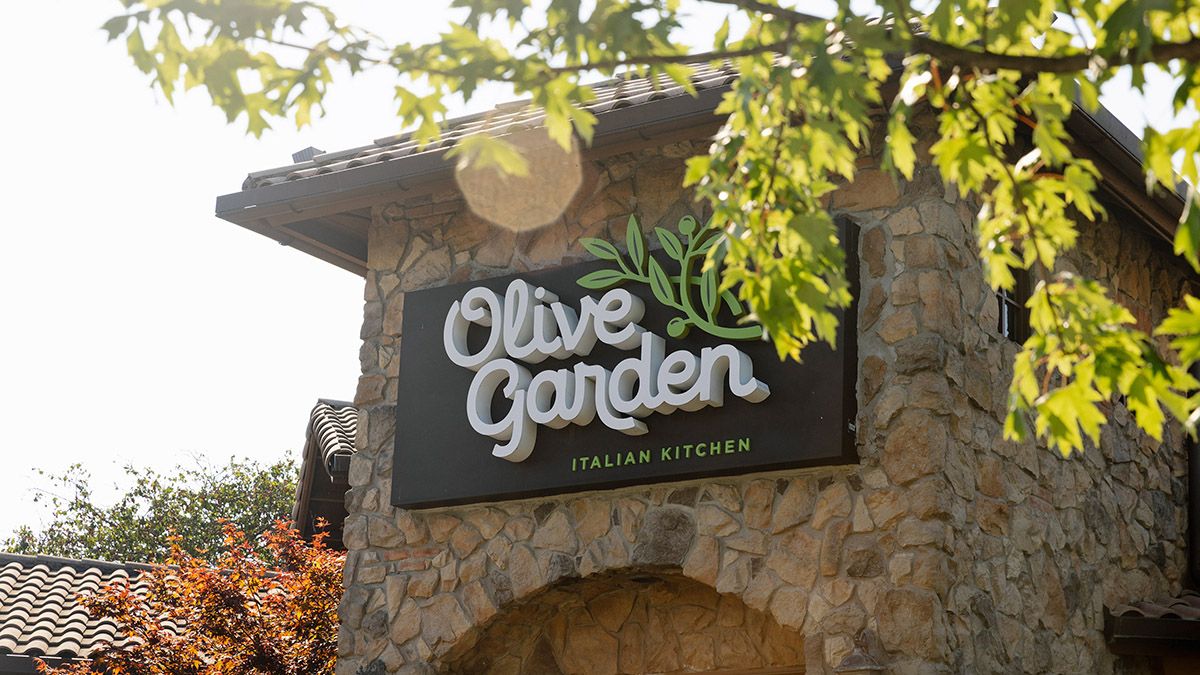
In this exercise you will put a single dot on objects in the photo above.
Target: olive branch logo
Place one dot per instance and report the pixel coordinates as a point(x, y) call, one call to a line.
point(679, 291)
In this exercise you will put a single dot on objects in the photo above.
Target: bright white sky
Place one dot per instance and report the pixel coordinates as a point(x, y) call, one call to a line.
point(135, 327)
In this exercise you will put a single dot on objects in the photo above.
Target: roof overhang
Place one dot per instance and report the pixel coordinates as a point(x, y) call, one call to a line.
point(327, 215)
point(303, 213)
point(1117, 153)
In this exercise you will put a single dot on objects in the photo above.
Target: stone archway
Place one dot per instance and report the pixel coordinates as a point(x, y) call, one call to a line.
point(628, 622)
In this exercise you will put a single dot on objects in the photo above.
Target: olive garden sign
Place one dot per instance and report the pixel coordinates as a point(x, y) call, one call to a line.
point(636, 368)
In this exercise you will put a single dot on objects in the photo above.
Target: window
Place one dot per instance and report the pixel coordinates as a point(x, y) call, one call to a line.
point(1013, 322)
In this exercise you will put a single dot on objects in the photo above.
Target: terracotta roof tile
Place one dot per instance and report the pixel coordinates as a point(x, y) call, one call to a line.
point(503, 119)
point(332, 426)
point(1185, 606)
point(39, 615)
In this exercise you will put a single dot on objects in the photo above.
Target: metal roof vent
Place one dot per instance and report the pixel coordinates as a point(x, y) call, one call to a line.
point(306, 154)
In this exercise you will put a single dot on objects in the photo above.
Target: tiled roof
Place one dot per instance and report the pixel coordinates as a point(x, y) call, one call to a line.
point(39, 615)
point(505, 118)
point(331, 427)
point(321, 490)
point(1186, 606)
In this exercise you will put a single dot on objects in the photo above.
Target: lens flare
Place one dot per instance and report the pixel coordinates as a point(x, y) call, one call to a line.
point(525, 202)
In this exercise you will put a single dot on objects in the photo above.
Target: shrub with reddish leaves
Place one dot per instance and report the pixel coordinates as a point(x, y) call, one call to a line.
point(236, 615)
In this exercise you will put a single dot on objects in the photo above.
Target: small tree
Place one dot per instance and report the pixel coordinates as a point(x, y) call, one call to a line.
point(236, 614)
point(191, 501)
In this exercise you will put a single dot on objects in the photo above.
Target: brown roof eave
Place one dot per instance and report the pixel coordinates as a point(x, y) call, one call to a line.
point(1147, 636)
point(1117, 152)
point(265, 209)
point(20, 664)
point(291, 212)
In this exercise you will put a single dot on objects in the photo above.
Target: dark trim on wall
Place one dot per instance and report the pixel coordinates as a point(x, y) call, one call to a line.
point(850, 233)
point(1145, 636)
point(1193, 505)
point(18, 664)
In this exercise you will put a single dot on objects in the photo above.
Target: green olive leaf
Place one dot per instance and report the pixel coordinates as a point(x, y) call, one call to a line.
point(636, 243)
point(600, 248)
point(670, 243)
point(708, 292)
point(661, 284)
point(601, 279)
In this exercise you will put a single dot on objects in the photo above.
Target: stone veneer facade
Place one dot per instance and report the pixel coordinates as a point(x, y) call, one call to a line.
point(961, 552)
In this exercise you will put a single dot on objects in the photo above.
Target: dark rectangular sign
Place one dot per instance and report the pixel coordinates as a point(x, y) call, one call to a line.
point(440, 459)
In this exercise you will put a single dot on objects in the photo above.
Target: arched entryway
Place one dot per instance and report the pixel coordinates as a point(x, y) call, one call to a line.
point(629, 622)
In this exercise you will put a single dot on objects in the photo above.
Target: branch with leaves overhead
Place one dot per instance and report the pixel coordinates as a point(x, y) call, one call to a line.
point(796, 119)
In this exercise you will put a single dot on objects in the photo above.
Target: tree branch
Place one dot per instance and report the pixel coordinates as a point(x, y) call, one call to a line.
point(660, 59)
point(769, 8)
point(962, 57)
point(312, 49)
point(967, 58)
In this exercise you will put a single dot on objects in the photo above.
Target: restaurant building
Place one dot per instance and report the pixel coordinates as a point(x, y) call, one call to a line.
point(571, 457)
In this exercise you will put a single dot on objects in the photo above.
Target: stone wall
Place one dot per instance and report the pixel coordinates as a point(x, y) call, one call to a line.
point(1044, 544)
point(602, 625)
point(959, 551)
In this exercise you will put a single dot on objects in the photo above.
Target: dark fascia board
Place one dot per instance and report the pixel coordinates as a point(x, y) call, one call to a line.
point(1108, 136)
point(310, 460)
point(55, 563)
point(19, 664)
point(1123, 138)
point(1146, 636)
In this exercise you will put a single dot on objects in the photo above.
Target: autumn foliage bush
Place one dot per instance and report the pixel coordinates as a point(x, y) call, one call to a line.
point(236, 614)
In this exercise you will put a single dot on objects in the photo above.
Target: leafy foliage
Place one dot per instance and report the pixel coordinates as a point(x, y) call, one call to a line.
point(1091, 360)
point(1000, 78)
point(191, 501)
point(232, 615)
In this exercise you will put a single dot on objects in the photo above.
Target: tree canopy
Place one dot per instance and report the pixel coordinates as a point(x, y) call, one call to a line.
point(795, 120)
point(232, 615)
point(190, 502)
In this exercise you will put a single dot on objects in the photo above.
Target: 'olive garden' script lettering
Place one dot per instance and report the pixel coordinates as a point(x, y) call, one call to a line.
point(529, 325)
